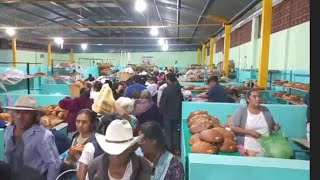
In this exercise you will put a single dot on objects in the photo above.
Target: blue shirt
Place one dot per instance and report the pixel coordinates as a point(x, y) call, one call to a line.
point(38, 152)
point(218, 94)
point(132, 88)
point(62, 141)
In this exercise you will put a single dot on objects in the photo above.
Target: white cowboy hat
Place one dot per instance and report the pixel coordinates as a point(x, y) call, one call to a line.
point(24, 102)
point(118, 137)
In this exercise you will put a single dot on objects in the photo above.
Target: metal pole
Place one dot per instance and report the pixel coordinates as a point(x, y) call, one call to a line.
point(28, 79)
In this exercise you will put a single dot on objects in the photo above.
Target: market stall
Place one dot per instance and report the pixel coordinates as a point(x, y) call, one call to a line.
point(292, 124)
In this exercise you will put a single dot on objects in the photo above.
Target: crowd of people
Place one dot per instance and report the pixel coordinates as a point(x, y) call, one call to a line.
point(141, 140)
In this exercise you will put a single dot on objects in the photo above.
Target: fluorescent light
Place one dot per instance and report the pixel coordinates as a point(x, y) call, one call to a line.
point(161, 41)
point(84, 46)
point(58, 40)
point(10, 31)
point(165, 46)
point(140, 5)
point(154, 31)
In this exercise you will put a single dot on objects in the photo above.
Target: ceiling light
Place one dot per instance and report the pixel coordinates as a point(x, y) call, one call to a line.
point(161, 41)
point(10, 31)
point(154, 31)
point(84, 46)
point(58, 40)
point(165, 46)
point(140, 5)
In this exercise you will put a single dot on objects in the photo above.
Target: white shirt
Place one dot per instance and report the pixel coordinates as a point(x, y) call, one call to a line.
point(126, 175)
point(161, 88)
point(87, 155)
point(94, 95)
point(152, 88)
point(257, 123)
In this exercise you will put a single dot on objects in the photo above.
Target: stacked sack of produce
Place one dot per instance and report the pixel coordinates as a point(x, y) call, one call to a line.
point(209, 136)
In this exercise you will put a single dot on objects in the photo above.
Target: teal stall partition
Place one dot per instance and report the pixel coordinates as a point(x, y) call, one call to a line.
point(204, 167)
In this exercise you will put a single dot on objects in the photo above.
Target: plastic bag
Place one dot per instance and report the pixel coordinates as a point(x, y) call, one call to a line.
point(104, 103)
point(276, 146)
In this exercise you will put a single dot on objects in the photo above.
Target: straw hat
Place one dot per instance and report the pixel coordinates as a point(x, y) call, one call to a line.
point(27, 103)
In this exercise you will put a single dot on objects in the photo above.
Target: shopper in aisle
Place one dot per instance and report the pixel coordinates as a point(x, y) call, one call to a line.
point(153, 88)
point(165, 165)
point(109, 82)
point(96, 87)
point(251, 122)
point(176, 71)
point(216, 93)
point(90, 78)
point(162, 86)
point(145, 110)
point(30, 149)
point(136, 86)
point(74, 106)
point(171, 107)
point(117, 90)
point(160, 77)
point(127, 106)
point(61, 140)
point(165, 70)
point(119, 160)
point(86, 123)
point(92, 149)
point(306, 100)
point(234, 96)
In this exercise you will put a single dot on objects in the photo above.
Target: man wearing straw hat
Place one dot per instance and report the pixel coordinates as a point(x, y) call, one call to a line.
point(119, 160)
point(29, 147)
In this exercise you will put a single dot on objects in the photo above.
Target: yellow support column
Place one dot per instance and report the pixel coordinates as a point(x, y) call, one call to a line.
point(227, 29)
point(14, 52)
point(198, 56)
point(49, 54)
point(265, 43)
point(71, 56)
point(204, 54)
point(211, 55)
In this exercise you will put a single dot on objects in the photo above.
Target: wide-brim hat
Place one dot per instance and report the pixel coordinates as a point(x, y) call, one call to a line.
point(27, 103)
point(118, 137)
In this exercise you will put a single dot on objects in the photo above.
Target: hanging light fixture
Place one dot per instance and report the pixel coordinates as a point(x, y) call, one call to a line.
point(161, 41)
point(84, 46)
point(59, 41)
point(10, 31)
point(154, 31)
point(140, 5)
point(165, 46)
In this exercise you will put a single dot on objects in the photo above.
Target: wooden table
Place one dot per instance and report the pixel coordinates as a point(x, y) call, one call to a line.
point(302, 141)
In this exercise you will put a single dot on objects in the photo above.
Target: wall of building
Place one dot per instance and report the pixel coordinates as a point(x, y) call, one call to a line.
point(289, 44)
